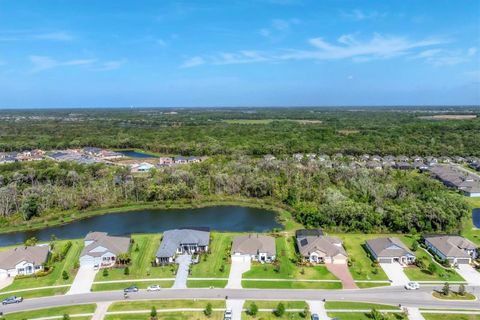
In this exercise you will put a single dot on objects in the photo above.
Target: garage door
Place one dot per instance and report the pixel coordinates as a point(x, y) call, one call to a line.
point(241, 258)
point(385, 260)
point(87, 261)
point(463, 261)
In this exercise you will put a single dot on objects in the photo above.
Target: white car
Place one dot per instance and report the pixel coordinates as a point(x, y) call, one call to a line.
point(154, 287)
point(412, 285)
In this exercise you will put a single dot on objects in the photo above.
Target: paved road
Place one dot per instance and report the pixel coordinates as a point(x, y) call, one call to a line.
point(388, 295)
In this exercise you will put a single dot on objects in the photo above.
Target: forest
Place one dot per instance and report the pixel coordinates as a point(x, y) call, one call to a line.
point(340, 199)
point(249, 131)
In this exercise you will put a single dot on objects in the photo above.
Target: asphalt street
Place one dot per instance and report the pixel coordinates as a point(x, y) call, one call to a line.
point(388, 295)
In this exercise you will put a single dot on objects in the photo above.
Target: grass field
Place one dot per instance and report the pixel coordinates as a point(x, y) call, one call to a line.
point(164, 304)
point(206, 283)
point(210, 265)
point(290, 285)
point(273, 304)
point(443, 316)
point(123, 285)
point(271, 316)
point(141, 266)
point(54, 278)
point(361, 268)
point(469, 231)
point(216, 315)
point(36, 293)
point(78, 309)
point(337, 305)
point(285, 247)
point(361, 316)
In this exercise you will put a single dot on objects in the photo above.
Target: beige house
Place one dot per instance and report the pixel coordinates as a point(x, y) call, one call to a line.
point(254, 246)
point(318, 248)
point(23, 260)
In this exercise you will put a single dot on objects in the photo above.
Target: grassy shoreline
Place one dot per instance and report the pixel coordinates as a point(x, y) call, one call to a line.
point(65, 217)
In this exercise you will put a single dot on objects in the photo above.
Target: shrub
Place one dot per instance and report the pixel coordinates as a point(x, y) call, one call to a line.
point(432, 268)
point(461, 290)
point(252, 309)
point(66, 317)
point(65, 275)
point(208, 310)
point(126, 271)
point(280, 310)
point(105, 272)
point(446, 289)
point(153, 313)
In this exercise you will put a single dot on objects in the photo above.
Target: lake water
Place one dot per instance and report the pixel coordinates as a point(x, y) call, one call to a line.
point(476, 217)
point(135, 154)
point(221, 218)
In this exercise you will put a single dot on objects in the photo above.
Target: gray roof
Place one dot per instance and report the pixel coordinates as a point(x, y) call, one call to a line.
point(388, 247)
point(172, 239)
point(115, 245)
point(37, 254)
point(330, 246)
point(253, 244)
point(452, 246)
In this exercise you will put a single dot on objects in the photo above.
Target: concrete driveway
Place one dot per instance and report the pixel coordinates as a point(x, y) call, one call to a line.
point(184, 262)
point(469, 273)
point(237, 308)
point(5, 282)
point(318, 307)
point(341, 272)
point(240, 264)
point(83, 280)
point(395, 273)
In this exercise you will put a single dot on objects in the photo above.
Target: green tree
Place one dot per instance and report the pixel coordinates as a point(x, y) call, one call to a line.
point(30, 242)
point(30, 207)
point(208, 310)
point(65, 275)
point(432, 268)
point(446, 289)
point(461, 290)
point(126, 271)
point(105, 272)
point(279, 310)
point(66, 317)
point(415, 245)
point(252, 309)
point(153, 313)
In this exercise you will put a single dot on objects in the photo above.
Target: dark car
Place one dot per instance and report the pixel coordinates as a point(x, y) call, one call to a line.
point(12, 299)
point(315, 316)
point(130, 289)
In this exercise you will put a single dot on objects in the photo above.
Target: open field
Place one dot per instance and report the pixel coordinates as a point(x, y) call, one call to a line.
point(77, 309)
point(164, 304)
point(55, 277)
point(449, 117)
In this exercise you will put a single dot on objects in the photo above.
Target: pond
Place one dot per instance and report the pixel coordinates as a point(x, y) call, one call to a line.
point(135, 154)
point(220, 218)
point(476, 217)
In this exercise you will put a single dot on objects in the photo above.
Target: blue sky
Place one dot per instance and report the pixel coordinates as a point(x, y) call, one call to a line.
point(111, 53)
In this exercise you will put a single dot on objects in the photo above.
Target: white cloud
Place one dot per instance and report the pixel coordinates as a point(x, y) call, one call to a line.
point(359, 15)
point(444, 57)
point(41, 63)
point(112, 65)
point(471, 51)
point(193, 62)
point(245, 56)
point(278, 27)
point(54, 36)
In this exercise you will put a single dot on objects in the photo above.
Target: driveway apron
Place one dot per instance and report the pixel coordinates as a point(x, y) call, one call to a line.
point(395, 273)
point(83, 280)
point(341, 272)
point(240, 264)
point(318, 307)
point(468, 273)
point(237, 307)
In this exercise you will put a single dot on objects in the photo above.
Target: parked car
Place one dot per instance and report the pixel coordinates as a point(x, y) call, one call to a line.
point(131, 289)
point(154, 287)
point(228, 314)
point(315, 316)
point(412, 285)
point(12, 299)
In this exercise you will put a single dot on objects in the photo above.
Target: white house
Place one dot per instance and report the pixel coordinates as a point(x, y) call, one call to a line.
point(101, 250)
point(23, 260)
point(258, 247)
point(182, 241)
point(318, 248)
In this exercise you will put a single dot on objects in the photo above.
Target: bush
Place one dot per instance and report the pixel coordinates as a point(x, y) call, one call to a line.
point(66, 317)
point(208, 310)
point(252, 309)
point(222, 268)
point(65, 275)
point(153, 313)
point(432, 268)
point(446, 289)
point(105, 272)
point(461, 290)
point(280, 310)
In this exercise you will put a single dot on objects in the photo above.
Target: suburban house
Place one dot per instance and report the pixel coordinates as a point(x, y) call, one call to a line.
point(142, 167)
point(165, 161)
point(258, 247)
point(455, 249)
point(390, 250)
point(318, 248)
point(101, 250)
point(182, 241)
point(23, 260)
point(466, 182)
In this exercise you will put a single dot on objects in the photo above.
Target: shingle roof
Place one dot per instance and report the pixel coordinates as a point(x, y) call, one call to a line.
point(172, 239)
point(253, 244)
point(452, 246)
point(330, 246)
point(37, 254)
point(115, 245)
point(388, 247)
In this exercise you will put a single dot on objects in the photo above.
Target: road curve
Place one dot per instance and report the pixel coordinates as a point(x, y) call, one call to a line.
point(388, 295)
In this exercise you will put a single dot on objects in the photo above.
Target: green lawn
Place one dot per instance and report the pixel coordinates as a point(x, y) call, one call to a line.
point(337, 305)
point(361, 268)
point(36, 293)
point(164, 304)
point(210, 265)
point(366, 285)
point(123, 285)
point(54, 278)
point(285, 247)
point(361, 316)
point(141, 266)
point(60, 311)
point(453, 296)
point(271, 316)
point(451, 316)
point(273, 304)
point(217, 315)
point(290, 285)
point(206, 283)
point(469, 231)
point(416, 274)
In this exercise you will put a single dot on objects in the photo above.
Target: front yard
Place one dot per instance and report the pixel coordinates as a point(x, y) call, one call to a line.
point(53, 312)
point(215, 264)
